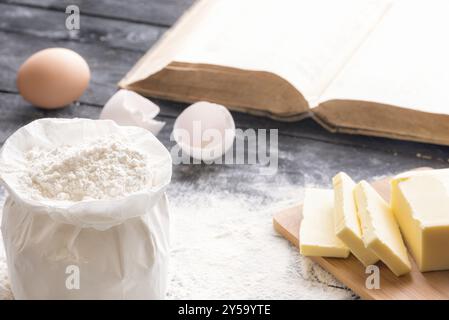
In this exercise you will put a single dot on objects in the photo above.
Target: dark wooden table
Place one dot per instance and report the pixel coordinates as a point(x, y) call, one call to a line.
point(114, 34)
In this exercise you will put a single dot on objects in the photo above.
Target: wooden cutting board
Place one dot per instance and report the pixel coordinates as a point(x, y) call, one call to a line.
point(415, 285)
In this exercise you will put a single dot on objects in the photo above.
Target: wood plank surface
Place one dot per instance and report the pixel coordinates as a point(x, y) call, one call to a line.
point(158, 12)
point(50, 25)
point(415, 285)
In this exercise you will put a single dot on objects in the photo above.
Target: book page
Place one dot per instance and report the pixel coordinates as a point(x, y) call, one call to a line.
point(404, 62)
point(305, 42)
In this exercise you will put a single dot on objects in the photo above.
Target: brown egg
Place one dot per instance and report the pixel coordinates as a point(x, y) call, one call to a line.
point(53, 78)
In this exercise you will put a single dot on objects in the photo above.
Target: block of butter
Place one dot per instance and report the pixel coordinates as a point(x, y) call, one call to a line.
point(380, 230)
point(420, 202)
point(347, 223)
point(317, 232)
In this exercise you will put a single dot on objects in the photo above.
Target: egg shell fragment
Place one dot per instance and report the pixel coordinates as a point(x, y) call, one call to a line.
point(205, 131)
point(128, 108)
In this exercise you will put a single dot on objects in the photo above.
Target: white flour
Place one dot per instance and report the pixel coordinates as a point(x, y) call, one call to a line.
point(102, 169)
point(224, 246)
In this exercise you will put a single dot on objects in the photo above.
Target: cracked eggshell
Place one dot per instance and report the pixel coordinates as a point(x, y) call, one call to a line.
point(204, 130)
point(128, 108)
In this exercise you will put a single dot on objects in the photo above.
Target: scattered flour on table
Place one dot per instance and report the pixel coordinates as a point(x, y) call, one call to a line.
point(224, 247)
point(101, 169)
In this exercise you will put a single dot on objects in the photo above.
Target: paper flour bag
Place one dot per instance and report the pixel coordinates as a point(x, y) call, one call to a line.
point(86, 216)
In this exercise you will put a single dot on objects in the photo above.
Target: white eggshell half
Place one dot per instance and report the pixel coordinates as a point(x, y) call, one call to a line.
point(128, 108)
point(204, 130)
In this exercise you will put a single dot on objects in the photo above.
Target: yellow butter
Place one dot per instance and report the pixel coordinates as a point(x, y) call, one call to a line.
point(317, 232)
point(420, 202)
point(347, 224)
point(380, 230)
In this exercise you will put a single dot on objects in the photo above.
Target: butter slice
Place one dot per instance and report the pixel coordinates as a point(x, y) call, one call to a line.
point(317, 232)
point(420, 202)
point(347, 223)
point(380, 230)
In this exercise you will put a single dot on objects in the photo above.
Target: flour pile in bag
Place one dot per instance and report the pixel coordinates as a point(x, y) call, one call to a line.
point(101, 169)
point(86, 215)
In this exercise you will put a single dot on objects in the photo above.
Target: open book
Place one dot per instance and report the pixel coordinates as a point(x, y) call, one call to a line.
point(373, 67)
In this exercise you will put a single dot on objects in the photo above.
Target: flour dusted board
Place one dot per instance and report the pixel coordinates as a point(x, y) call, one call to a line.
point(416, 285)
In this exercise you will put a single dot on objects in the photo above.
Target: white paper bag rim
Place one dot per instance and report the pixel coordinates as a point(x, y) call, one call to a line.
point(99, 214)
